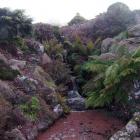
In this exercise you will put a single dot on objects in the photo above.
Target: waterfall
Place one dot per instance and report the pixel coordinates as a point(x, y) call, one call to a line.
point(136, 89)
point(74, 85)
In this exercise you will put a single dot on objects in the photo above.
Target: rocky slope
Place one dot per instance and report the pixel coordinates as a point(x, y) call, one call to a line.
point(29, 101)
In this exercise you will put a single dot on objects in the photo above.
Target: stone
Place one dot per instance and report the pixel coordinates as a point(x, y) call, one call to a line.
point(43, 78)
point(17, 64)
point(73, 94)
point(58, 109)
point(107, 56)
point(106, 44)
point(134, 31)
point(28, 84)
point(77, 103)
point(45, 59)
point(130, 131)
point(121, 135)
point(42, 126)
point(131, 127)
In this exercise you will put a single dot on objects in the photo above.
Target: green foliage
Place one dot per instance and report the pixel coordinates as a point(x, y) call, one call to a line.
point(119, 50)
point(121, 36)
point(31, 108)
point(59, 72)
point(54, 49)
point(110, 82)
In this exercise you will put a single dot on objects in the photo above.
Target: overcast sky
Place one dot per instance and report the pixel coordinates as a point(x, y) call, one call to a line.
point(62, 11)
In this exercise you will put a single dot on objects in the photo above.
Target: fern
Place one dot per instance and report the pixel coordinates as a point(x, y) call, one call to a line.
point(112, 80)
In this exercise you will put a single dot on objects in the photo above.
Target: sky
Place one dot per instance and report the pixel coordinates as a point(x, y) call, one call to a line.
point(60, 12)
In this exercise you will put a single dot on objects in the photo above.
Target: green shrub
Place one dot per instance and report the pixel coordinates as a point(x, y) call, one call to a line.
point(31, 108)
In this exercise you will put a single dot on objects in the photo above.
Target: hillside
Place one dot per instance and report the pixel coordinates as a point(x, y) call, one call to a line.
point(90, 68)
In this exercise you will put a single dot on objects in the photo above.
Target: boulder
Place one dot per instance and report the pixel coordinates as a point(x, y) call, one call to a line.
point(134, 31)
point(129, 132)
point(45, 59)
point(125, 46)
point(17, 64)
point(131, 43)
point(34, 46)
point(106, 44)
point(73, 94)
point(58, 109)
point(29, 85)
point(107, 56)
point(75, 101)
point(44, 78)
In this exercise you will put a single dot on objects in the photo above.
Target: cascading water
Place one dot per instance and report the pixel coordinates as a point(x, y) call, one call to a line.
point(75, 100)
point(136, 89)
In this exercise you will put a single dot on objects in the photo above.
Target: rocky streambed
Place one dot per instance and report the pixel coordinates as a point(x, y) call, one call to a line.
point(83, 125)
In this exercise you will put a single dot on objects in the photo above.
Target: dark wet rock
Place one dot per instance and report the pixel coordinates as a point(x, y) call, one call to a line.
point(73, 94)
point(75, 100)
point(42, 126)
point(77, 103)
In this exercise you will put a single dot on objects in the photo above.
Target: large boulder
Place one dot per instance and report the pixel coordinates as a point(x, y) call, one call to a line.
point(134, 31)
point(58, 109)
point(45, 59)
point(17, 64)
point(44, 78)
point(29, 85)
point(125, 46)
point(107, 56)
point(106, 44)
point(130, 131)
point(75, 101)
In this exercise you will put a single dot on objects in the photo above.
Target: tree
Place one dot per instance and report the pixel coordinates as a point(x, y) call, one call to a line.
point(77, 19)
point(14, 23)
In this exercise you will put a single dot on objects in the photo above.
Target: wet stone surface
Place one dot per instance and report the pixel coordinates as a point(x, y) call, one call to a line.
point(88, 125)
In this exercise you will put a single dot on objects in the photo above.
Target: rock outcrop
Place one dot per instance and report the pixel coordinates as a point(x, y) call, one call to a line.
point(131, 131)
